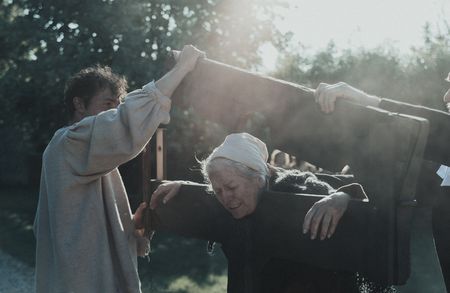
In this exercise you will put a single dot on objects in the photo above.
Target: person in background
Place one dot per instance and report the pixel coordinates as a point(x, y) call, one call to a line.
point(87, 238)
point(431, 187)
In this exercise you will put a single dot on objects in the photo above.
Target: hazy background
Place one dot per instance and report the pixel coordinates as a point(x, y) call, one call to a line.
point(397, 49)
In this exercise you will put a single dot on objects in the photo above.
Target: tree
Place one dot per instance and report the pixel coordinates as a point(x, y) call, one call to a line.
point(44, 42)
point(416, 78)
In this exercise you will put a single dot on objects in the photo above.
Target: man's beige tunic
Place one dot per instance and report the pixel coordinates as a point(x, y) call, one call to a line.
point(83, 225)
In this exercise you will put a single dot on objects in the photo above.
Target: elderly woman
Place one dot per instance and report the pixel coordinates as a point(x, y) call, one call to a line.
point(237, 173)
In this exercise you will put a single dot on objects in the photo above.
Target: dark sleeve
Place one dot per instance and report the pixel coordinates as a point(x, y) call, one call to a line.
point(355, 190)
point(336, 180)
point(439, 133)
point(344, 183)
point(295, 181)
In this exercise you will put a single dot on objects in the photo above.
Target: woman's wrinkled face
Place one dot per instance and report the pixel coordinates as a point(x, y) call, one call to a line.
point(238, 194)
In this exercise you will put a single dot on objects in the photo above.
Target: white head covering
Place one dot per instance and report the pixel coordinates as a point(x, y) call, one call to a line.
point(245, 149)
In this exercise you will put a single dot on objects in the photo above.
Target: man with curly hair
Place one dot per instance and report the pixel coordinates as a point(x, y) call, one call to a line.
point(87, 238)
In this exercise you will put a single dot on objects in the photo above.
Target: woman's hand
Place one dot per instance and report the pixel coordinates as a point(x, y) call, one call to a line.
point(325, 213)
point(166, 191)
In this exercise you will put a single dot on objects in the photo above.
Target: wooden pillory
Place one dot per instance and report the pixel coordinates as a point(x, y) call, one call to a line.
point(384, 149)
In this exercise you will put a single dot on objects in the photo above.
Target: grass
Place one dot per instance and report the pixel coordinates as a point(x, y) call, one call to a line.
point(17, 210)
point(182, 265)
point(176, 264)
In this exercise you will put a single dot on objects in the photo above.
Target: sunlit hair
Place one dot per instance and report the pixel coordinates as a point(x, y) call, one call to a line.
point(208, 166)
point(90, 81)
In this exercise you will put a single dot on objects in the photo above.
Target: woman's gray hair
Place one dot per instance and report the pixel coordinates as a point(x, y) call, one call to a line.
point(209, 165)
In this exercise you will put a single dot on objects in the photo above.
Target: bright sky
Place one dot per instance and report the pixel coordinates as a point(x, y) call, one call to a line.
point(360, 23)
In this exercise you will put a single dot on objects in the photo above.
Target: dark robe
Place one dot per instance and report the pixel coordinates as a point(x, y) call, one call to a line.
point(250, 270)
point(429, 191)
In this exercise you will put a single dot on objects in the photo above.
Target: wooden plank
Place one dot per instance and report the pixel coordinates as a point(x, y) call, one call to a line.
point(384, 150)
point(439, 134)
point(277, 227)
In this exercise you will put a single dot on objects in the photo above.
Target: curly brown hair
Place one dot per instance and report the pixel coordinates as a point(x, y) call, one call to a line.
point(90, 81)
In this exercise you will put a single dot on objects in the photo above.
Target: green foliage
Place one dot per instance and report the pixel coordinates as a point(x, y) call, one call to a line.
point(17, 206)
point(42, 43)
point(417, 78)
